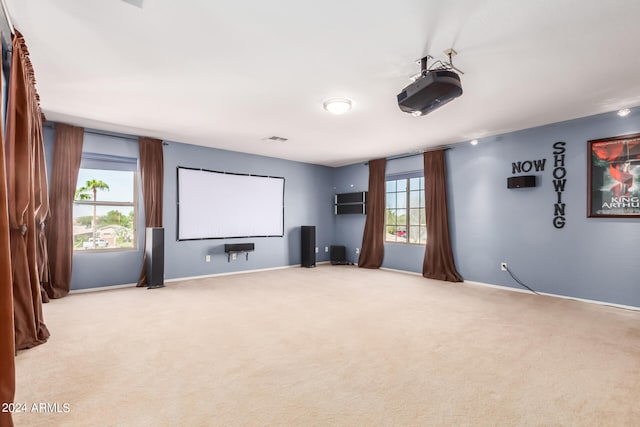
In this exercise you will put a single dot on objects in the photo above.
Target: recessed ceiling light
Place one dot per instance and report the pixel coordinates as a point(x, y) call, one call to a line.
point(337, 105)
point(624, 112)
point(473, 142)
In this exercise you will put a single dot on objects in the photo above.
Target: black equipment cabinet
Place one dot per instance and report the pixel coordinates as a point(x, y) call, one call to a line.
point(350, 203)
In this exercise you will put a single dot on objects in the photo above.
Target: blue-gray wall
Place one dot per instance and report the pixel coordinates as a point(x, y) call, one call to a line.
point(308, 201)
point(591, 258)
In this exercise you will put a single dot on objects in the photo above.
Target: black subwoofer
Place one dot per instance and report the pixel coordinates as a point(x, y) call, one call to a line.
point(155, 257)
point(338, 255)
point(308, 245)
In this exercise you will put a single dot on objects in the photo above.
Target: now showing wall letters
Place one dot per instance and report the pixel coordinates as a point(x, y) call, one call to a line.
point(559, 183)
point(527, 166)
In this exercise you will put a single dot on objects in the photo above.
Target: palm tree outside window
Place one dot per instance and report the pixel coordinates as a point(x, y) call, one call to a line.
point(105, 206)
point(83, 193)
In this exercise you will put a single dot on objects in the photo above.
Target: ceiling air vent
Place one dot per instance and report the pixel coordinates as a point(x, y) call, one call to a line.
point(137, 3)
point(275, 138)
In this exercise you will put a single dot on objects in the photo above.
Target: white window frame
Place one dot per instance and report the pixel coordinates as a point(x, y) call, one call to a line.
point(409, 227)
point(106, 203)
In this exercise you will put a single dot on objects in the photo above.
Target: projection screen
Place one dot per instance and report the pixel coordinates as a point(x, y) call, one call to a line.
point(222, 205)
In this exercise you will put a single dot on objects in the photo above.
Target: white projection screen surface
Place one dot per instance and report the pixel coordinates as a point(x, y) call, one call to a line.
point(219, 205)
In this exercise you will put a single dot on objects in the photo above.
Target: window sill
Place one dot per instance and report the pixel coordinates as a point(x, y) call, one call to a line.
point(404, 244)
point(98, 251)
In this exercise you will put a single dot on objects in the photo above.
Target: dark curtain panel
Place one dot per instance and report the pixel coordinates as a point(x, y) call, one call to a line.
point(372, 250)
point(438, 257)
point(23, 111)
point(152, 176)
point(67, 153)
point(7, 337)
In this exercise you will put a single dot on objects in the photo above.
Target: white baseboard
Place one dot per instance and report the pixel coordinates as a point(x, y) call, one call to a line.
point(590, 301)
point(413, 273)
point(504, 288)
point(180, 279)
point(471, 282)
point(233, 273)
point(509, 288)
point(102, 288)
point(230, 273)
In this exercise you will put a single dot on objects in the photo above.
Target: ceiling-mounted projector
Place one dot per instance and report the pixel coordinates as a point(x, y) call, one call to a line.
point(434, 87)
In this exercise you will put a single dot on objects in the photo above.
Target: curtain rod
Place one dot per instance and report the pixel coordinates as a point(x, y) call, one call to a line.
point(97, 132)
point(103, 133)
point(7, 18)
point(6, 25)
point(402, 156)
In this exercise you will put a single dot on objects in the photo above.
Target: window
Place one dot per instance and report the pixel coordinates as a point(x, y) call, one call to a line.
point(104, 211)
point(405, 220)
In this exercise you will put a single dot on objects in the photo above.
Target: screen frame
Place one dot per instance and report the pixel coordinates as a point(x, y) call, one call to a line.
point(226, 173)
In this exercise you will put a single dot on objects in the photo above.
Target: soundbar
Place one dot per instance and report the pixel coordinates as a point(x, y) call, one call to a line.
point(239, 247)
point(234, 248)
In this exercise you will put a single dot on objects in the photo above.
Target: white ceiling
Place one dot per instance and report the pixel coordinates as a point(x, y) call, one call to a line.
point(228, 73)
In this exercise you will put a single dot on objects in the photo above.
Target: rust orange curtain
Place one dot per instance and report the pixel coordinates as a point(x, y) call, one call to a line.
point(7, 336)
point(67, 153)
point(23, 117)
point(372, 251)
point(152, 176)
point(438, 258)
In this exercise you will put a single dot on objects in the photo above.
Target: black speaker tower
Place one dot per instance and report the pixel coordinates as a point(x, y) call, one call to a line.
point(155, 257)
point(308, 246)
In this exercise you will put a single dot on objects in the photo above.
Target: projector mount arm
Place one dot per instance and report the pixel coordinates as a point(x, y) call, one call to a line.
point(438, 64)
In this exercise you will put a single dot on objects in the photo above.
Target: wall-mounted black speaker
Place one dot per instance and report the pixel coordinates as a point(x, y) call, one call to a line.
point(308, 245)
point(155, 257)
point(523, 181)
point(239, 247)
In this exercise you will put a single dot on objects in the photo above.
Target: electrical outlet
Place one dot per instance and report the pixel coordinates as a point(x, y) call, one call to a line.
point(357, 250)
point(234, 256)
point(503, 266)
point(316, 250)
point(326, 248)
point(207, 258)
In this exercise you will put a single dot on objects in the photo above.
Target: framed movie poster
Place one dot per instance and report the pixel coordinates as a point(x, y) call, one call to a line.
point(614, 177)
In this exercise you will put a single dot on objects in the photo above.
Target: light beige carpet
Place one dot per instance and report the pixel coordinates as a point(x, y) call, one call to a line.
point(331, 346)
